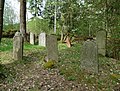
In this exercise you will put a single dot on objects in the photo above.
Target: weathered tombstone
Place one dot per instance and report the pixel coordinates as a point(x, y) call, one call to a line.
point(32, 38)
point(52, 48)
point(101, 42)
point(89, 59)
point(42, 39)
point(18, 46)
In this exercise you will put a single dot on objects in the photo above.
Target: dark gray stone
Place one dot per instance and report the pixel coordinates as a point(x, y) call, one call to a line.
point(52, 47)
point(89, 56)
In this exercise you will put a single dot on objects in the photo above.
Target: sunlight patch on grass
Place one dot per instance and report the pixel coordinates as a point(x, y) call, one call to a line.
point(6, 57)
point(6, 50)
point(62, 46)
point(6, 44)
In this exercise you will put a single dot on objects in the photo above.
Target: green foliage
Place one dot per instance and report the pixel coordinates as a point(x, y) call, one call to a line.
point(10, 15)
point(50, 10)
point(10, 27)
point(68, 66)
point(49, 64)
point(28, 46)
point(83, 18)
point(37, 25)
point(62, 46)
point(3, 72)
point(6, 45)
point(35, 7)
point(71, 78)
point(115, 77)
point(113, 48)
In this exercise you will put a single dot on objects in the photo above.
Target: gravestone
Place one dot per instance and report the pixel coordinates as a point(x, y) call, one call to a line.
point(32, 38)
point(89, 59)
point(42, 39)
point(101, 42)
point(52, 48)
point(18, 46)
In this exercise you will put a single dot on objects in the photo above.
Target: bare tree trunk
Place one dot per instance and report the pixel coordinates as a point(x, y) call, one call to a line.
point(1, 17)
point(23, 18)
point(55, 18)
point(61, 36)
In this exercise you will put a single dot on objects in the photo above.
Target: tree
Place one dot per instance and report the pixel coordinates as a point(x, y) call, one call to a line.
point(35, 7)
point(37, 25)
point(52, 12)
point(70, 12)
point(23, 18)
point(9, 16)
point(1, 17)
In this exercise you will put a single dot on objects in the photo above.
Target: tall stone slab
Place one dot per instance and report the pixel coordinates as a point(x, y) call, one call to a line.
point(18, 46)
point(52, 48)
point(89, 57)
point(42, 39)
point(32, 38)
point(101, 42)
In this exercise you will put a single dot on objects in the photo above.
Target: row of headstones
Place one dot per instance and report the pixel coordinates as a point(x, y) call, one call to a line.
point(50, 43)
point(89, 50)
point(41, 39)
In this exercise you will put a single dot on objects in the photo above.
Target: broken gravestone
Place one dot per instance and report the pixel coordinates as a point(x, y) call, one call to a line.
point(18, 46)
point(52, 48)
point(32, 38)
point(42, 39)
point(101, 42)
point(89, 59)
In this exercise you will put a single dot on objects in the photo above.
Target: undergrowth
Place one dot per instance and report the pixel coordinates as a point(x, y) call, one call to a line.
point(107, 79)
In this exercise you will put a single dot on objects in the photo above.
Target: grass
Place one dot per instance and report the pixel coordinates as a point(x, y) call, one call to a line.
point(106, 80)
point(68, 65)
point(6, 45)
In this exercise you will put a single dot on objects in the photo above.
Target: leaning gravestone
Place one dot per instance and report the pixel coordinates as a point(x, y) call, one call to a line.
point(42, 39)
point(101, 42)
point(32, 38)
point(52, 48)
point(18, 46)
point(89, 59)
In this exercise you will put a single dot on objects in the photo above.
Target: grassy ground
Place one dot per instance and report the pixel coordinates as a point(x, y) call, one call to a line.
point(108, 78)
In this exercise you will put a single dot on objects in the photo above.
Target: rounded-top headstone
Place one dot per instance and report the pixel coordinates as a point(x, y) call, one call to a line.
point(42, 39)
point(18, 34)
point(32, 38)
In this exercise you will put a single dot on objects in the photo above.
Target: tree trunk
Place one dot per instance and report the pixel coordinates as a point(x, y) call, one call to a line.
point(1, 17)
point(23, 18)
point(61, 36)
point(55, 16)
